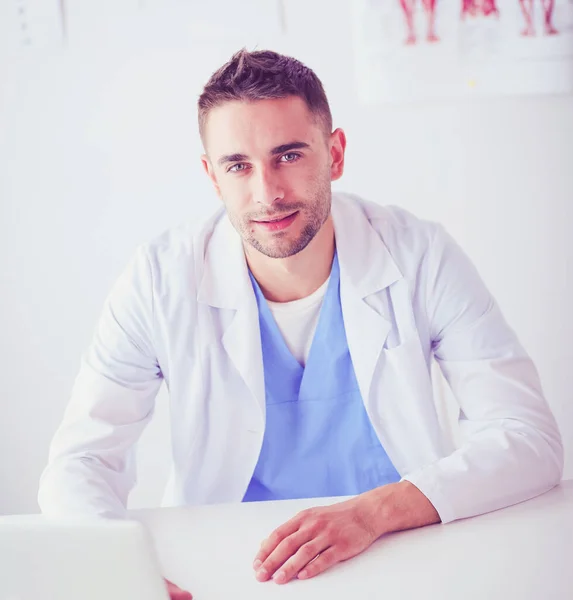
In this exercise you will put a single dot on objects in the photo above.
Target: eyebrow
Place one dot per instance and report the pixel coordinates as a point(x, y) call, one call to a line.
point(228, 158)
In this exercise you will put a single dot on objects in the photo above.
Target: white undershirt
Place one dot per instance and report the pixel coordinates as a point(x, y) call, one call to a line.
point(297, 321)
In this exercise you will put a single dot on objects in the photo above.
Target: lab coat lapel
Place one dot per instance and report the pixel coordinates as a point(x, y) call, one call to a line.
point(366, 269)
point(226, 285)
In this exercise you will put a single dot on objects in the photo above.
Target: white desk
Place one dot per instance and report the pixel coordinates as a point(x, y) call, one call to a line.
point(524, 552)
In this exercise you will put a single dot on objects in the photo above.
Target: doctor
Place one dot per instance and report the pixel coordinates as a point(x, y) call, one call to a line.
point(295, 332)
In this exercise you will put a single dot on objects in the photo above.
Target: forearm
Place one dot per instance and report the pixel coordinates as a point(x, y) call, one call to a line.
point(495, 468)
point(400, 506)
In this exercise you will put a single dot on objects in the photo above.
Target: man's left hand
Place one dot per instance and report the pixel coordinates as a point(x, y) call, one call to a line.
point(316, 539)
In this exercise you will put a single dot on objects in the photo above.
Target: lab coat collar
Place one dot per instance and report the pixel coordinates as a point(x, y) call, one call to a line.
point(365, 262)
point(225, 282)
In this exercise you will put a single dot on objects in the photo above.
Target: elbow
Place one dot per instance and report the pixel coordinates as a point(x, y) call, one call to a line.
point(554, 453)
point(80, 487)
point(45, 496)
point(548, 450)
point(556, 460)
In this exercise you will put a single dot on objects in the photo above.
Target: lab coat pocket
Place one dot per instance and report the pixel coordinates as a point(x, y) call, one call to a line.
point(395, 379)
point(402, 372)
point(400, 403)
point(402, 353)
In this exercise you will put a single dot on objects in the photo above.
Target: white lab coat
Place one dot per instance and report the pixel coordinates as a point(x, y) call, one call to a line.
point(184, 312)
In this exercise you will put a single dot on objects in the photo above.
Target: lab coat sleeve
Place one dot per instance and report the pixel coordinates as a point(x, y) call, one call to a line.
point(91, 467)
point(512, 449)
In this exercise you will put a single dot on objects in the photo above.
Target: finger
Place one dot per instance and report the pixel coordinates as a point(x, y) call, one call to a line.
point(176, 593)
point(276, 537)
point(324, 561)
point(285, 549)
point(305, 555)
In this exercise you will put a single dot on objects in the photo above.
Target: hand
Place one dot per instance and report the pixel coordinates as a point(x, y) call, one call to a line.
point(318, 538)
point(176, 593)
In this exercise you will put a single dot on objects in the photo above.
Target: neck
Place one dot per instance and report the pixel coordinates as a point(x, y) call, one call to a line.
point(298, 276)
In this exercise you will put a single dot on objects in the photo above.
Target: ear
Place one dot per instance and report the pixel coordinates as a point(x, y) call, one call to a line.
point(337, 147)
point(211, 173)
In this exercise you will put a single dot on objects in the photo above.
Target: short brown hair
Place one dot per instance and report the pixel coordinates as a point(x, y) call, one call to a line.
point(264, 75)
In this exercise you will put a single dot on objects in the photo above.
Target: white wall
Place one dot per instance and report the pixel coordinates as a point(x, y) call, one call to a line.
point(98, 152)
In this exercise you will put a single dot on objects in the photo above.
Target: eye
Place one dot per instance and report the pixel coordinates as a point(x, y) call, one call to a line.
point(237, 168)
point(290, 157)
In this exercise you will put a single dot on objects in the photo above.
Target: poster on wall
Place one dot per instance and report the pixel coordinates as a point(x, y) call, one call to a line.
point(27, 26)
point(408, 50)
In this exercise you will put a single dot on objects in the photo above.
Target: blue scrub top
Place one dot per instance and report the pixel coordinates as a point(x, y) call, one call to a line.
point(318, 437)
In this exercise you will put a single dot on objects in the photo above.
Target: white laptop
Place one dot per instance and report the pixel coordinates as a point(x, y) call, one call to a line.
point(77, 559)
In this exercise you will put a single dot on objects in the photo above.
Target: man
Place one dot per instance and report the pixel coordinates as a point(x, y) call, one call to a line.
point(548, 7)
point(295, 331)
point(408, 6)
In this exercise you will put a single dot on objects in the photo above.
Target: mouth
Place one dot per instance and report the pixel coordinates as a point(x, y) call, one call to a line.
point(274, 219)
point(277, 223)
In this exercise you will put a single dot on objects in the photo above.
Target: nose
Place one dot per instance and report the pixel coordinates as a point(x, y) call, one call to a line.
point(268, 187)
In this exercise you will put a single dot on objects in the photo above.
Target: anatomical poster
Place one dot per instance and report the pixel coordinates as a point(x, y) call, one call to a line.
point(419, 49)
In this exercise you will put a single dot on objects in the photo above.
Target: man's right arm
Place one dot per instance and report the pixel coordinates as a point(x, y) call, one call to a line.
point(91, 469)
